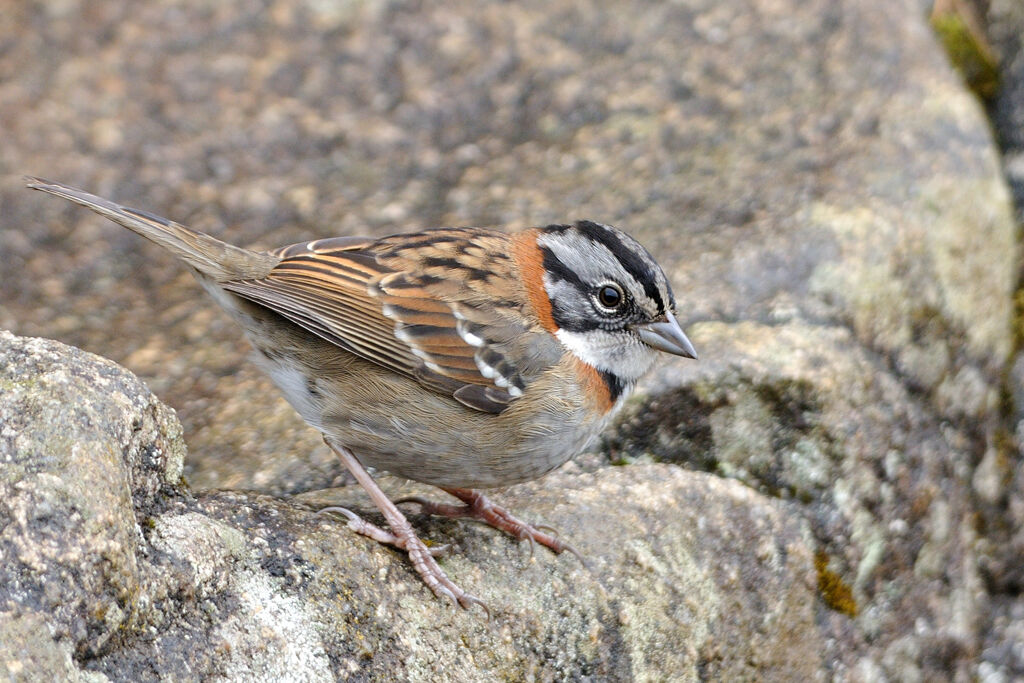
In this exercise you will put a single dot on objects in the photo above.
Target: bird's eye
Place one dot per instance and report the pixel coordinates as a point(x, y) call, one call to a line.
point(610, 295)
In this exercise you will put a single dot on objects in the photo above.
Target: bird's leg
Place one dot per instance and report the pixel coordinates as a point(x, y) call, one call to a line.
point(401, 534)
point(479, 507)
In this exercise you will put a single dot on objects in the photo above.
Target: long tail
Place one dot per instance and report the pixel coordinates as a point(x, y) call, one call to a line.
point(211, 257)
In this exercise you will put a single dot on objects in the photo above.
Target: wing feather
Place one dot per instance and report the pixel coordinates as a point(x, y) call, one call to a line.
point(416, 304)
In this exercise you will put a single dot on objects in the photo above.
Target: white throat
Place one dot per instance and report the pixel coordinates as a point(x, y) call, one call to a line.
point(606, 351)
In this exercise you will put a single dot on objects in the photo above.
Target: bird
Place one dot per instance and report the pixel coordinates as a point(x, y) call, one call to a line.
point(462, 358)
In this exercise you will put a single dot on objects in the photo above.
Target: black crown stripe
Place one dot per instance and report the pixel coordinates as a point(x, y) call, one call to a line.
point(633, 263)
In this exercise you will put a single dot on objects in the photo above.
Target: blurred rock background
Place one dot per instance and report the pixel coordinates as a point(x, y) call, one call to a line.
point(824, 191)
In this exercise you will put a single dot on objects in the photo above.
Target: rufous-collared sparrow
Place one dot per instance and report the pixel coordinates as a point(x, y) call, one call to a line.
point(456, 357)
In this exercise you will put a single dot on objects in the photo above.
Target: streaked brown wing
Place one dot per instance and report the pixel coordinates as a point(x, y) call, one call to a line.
point(408, 304)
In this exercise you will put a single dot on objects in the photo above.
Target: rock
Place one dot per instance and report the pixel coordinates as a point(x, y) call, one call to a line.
point(1006, 21)
point(87, 455)
point(112, 568)
point(769, 159)
point(1002, 656)
point(805, 414)
point(822, 190)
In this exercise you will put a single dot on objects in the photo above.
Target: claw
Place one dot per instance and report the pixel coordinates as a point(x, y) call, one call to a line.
point(338, 510)
point(579, 556)
point(443, 592)
point(439, 550)
point(473, 600)
point(533, 544)
point(364, 528)
point(479, 507)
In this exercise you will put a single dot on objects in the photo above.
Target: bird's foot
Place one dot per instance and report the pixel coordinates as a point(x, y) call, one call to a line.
point(401, 535)
point(371, 530)
point(478, 506)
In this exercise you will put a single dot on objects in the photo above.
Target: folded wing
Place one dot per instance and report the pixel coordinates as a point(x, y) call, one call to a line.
point(435, 306)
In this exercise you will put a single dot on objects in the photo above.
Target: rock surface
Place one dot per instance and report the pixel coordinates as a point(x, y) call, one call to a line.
point(112, 570)
point(1006, 27)
point(1003, 650)
point(822, 190)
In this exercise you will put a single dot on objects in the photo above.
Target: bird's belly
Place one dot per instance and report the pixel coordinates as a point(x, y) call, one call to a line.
point(439, 442)
point(474, 459)
point(393, 423)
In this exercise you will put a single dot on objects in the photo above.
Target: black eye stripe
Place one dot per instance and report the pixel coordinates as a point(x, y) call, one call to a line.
point(558, 270)
point(565, 319)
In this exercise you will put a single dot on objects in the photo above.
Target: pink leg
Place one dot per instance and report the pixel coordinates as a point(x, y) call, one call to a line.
point(401, 535)
point(479, 507)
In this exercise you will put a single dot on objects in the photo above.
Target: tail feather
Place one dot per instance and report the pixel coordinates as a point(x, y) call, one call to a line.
point(211, 257)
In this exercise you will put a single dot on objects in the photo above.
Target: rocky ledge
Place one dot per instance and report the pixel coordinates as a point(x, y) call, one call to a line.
point(834, 491)
point(111, 567)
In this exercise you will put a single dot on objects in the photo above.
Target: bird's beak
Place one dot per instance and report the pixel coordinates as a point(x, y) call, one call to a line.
point(667, 337)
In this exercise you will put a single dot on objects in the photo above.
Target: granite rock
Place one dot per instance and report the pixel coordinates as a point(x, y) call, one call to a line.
point(822, 190)
point(113, 570)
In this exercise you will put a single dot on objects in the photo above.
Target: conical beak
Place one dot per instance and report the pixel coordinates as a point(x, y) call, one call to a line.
point(667, 337)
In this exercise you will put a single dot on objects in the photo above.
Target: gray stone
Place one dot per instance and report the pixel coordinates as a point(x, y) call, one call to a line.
point(805, 414)
point(126, 575)
point(823, 192)
point(87, 453)
point(1001, 472)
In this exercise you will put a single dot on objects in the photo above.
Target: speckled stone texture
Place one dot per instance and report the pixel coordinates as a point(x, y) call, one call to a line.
point(821, 189)
point(1003, 649)
point(110, 568)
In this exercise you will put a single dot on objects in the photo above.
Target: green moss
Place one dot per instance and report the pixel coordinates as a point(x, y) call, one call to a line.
point(1018, 319)
point(834, 591)
point(972, 58)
